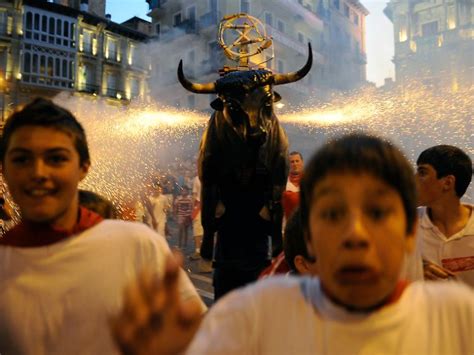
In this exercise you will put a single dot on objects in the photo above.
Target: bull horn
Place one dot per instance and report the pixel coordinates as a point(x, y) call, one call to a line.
point(208, 88)
point(279, 79)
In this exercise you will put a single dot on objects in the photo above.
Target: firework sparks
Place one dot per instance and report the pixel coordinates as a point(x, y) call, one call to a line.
point(130, 145)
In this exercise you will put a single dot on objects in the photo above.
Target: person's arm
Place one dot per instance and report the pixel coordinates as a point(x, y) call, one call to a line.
point(435, 272)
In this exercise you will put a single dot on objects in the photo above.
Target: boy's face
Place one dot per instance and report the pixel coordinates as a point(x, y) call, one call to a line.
point(42, 170)
point(357, 227)
point(429, 187)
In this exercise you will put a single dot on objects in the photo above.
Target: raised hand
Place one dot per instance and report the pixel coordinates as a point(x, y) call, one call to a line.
point(154, 319)
point(435, 272)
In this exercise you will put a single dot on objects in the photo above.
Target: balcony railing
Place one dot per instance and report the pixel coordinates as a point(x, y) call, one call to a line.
point(115, 93)
point(88, 88)
point(188, 26)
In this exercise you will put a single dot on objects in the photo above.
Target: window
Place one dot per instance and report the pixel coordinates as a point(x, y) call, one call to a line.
point(269, 18)
point(135, 87)
point(157, 30)
point(44, 23)
point(27, 63)
point(245, 6)
point(281, 26)
point(111, 48)
point(356, 19)
point(212, 5)
point(430, 28)
point(111, 83)
point(336, 4)
point(87, 41)
point(29, 20)
point(346, 10)
point(177, 19)
point(191, 13)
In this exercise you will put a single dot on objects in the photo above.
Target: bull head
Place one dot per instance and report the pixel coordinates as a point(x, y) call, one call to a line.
point(276, 79)
point(246, 97)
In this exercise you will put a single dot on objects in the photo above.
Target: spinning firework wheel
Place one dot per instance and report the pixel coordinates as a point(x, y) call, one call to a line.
point(248, 37)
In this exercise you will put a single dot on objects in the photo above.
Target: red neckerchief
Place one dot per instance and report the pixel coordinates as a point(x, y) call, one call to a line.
point(30, 234)
point(397, 293)
point(295, 179)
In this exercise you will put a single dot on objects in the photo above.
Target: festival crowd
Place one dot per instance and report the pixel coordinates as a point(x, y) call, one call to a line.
point(377, 258)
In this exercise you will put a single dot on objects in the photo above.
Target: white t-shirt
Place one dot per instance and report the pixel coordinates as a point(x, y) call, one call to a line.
point(292, 316)
point(58, 299)
point(455, 253)
point(412, 267)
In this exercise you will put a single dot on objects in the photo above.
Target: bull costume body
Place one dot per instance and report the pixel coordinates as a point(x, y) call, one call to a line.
point(243, 168)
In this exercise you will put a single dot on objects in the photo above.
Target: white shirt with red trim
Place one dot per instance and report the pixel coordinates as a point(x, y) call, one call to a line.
point(58, 299)
point(288, 315)
point(455, 253)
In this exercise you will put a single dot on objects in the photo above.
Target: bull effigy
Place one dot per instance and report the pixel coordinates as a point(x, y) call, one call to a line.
point(243, 164)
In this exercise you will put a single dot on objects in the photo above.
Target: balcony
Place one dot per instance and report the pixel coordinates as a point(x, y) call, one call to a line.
point(426, 43)
point(89, 88)
point(114, 93)
point(188, 26)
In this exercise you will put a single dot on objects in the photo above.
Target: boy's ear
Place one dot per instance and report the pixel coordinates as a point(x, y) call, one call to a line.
point(85, 169)
point(300, 265)
point(410, 239)
point(449, 182)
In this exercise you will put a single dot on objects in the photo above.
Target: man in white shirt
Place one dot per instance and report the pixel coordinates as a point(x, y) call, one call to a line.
point(446, 228)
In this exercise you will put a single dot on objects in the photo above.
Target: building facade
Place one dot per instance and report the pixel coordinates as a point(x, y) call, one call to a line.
point(434, 41)
point(188, 30)
point(47, 48)
point(344, 43)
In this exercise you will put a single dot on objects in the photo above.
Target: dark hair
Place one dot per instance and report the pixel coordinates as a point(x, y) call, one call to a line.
point(294, 243)
point(296, 153)
point(359, 153)
point(97, 204)
point(45, 113)
point(449, 160)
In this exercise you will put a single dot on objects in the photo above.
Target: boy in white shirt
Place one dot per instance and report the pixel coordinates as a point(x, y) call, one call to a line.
point(358, 207)
point(63, 268)
point(446, 225)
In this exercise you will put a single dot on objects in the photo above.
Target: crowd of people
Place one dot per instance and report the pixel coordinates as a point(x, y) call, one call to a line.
point(382, 276)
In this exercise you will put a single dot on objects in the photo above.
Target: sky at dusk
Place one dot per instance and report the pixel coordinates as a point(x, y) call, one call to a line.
point(379, 33)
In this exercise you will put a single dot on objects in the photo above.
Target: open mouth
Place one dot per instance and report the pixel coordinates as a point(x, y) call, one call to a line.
point(355, 274)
